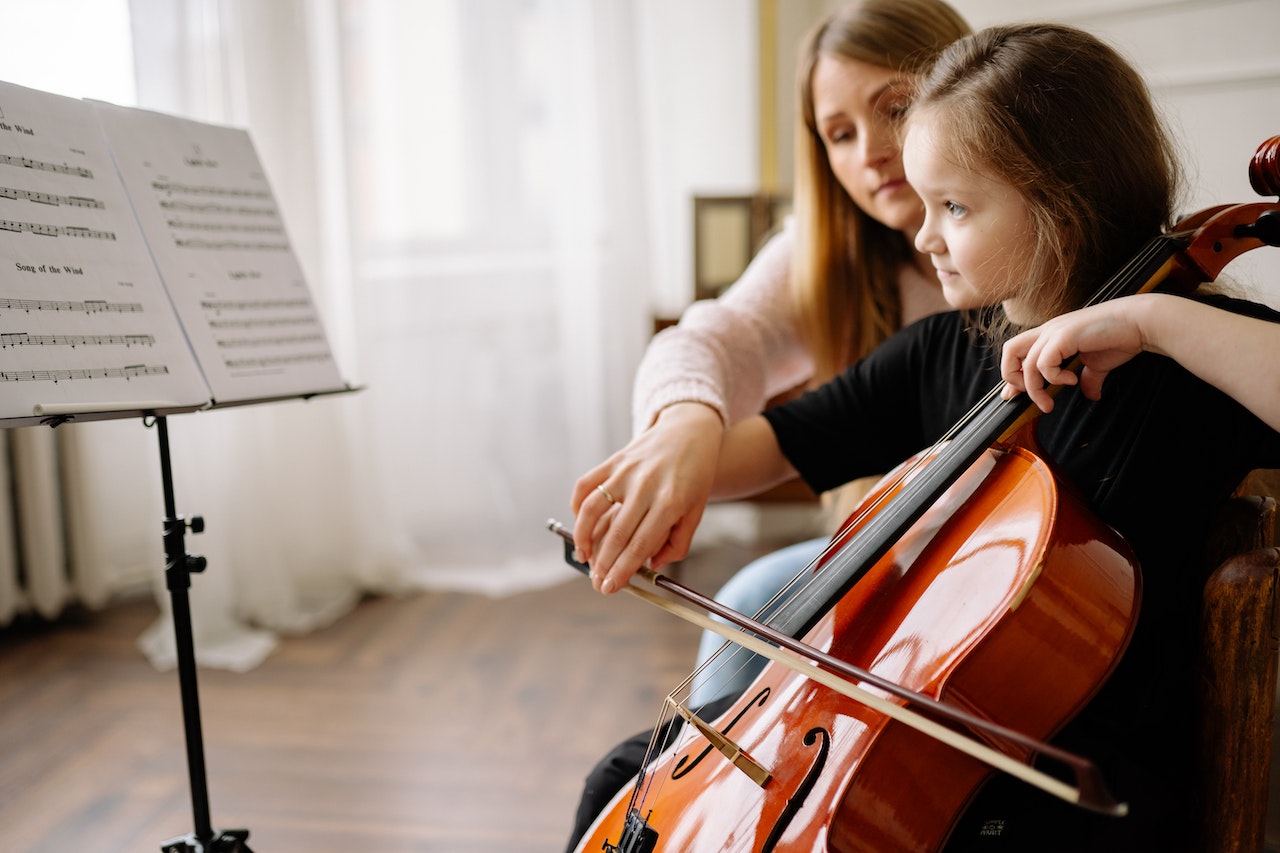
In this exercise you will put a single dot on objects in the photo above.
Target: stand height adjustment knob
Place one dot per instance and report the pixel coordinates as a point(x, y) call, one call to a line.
point(196, 524)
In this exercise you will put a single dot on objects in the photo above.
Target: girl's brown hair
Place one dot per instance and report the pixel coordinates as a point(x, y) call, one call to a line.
point(845, 265)
point(1063, 118)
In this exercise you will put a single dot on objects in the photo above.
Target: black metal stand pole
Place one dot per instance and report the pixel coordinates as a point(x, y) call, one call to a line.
point(177, 572)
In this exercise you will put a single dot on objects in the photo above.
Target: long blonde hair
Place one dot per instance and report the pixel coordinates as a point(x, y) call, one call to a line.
point(845, 265)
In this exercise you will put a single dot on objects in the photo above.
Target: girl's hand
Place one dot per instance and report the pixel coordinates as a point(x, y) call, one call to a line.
point(1232, 352)
point(642, 504)
point(1104, 336)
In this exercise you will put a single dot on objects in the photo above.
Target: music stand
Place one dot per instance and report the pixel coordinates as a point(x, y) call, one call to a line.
point(153, 270)
point(178, 567)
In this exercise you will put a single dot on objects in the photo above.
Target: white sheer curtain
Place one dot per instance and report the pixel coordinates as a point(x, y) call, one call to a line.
point(462, 182)
point(497, 237)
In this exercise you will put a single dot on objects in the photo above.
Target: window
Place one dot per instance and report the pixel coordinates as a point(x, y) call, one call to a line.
point(77, 48)
point(447, 104)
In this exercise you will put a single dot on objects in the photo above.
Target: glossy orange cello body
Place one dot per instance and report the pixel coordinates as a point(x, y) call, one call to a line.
point(1006, 572)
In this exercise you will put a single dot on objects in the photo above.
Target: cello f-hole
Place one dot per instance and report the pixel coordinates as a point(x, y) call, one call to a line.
point(684, 765)
point(796, 801)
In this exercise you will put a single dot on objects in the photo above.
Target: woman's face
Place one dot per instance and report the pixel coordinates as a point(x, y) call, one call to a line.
point(976, 230)
point(858, 107)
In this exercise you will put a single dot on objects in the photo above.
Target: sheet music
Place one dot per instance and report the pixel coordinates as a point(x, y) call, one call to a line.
point(85, 323)
point(218, 239)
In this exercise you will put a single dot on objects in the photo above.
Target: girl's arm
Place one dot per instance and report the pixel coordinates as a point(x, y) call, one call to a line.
point(1237, 354)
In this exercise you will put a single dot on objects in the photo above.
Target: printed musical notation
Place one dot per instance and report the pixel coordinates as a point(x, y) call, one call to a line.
point(152, 234)
point(222, 192)
point(219, 306)
point(59, 168)
point(222, 226)
point(231, 245)
point(54, 230)
point(50, 198)
point(278, 341)
point(69, 375)
point(213, 208)
point(78, 287)
point(22, 339)
point(230, 224)
point(277, 350)
point(82, 306)
point(277, 360)
point(201, 193)
point(269, 322)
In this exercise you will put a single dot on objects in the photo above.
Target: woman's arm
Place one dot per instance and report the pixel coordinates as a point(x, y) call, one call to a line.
point(720, 364)
point(1237, 354)
point(732, 353)
point(627, 533)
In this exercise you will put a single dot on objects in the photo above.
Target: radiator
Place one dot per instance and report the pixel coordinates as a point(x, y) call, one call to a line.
point(34, 573)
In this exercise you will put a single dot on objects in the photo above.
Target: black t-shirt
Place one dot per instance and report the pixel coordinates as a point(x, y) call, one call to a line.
point(1153, 458)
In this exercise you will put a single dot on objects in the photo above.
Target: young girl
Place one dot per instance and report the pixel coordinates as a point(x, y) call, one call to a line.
point(1043, 169)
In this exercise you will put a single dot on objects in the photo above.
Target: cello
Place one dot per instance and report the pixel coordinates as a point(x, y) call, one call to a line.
point(958, 578)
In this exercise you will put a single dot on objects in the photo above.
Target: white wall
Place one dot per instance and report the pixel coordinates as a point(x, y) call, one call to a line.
point(702, 114)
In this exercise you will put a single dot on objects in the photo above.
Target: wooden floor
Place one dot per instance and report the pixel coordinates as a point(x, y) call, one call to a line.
point(441, 722)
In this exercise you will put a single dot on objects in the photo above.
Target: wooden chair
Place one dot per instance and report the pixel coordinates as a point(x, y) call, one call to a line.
point(1237, 677)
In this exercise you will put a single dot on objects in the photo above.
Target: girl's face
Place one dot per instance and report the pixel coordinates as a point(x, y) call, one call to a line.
point(858, 108)
point(977, 228)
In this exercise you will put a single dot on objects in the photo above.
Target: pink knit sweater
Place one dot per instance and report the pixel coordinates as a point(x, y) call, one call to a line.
point(736, 352)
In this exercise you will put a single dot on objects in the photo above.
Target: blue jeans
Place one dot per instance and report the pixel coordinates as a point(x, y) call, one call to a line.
point(748, 591)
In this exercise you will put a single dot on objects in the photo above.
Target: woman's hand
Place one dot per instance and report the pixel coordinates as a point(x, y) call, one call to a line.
point(1105, 336)
point(642, 504)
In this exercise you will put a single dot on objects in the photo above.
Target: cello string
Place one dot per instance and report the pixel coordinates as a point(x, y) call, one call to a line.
point(809, 579)
point(659, 742)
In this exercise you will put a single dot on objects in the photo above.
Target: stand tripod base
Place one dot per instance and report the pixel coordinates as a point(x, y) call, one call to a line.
point(227, 841)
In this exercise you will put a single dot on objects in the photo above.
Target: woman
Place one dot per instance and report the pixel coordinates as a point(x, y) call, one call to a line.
point(836, 282)
point(1023, 222)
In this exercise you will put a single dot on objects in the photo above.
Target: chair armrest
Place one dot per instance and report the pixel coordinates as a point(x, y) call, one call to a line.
point(1237, 700)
